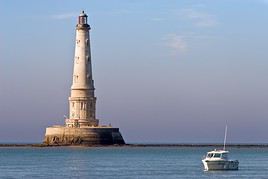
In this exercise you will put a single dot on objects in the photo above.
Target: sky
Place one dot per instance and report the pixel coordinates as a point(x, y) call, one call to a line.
point(165, 71)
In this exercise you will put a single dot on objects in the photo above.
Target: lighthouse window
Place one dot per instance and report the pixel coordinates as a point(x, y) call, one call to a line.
point(87, 42)
point(82, 105)
point(75, 78)
point(81, 20)
point(73, 104)
point(76, 58)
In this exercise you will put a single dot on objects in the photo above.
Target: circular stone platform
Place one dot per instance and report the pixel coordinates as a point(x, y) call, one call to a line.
point(61, 135)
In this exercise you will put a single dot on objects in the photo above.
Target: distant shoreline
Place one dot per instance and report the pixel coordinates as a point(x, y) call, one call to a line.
point(143, 145)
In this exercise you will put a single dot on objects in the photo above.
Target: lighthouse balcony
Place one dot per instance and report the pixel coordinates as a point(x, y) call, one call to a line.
point(81, 122)
point(83, 27)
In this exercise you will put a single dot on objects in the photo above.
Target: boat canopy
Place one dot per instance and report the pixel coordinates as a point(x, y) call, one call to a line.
point(218, 151)
point(222, 154)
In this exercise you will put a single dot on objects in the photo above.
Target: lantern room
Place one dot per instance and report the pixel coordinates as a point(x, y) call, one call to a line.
point(82, 19)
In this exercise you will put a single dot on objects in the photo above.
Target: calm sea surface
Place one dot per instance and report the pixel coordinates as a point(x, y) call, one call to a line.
point(125, 162)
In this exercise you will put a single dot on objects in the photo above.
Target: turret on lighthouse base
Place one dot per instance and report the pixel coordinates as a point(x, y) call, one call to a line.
point(82, 127)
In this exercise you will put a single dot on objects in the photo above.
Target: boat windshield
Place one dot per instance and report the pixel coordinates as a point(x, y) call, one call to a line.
point(224, 156)
point(216, 155)
point(210, 155)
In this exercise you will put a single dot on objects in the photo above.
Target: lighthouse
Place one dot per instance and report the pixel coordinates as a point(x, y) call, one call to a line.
point(82, 102)
point(82, 127)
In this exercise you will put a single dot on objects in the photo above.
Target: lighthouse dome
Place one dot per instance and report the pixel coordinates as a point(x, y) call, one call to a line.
point(83, 14)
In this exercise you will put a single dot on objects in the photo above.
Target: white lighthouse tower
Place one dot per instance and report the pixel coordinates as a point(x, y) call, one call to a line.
point(82, 102)
point(82, 127)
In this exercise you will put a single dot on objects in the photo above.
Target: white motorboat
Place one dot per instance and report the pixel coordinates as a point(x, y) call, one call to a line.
point(219, 160)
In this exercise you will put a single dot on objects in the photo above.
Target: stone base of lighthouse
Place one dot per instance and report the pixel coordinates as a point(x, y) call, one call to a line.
point(61, 135)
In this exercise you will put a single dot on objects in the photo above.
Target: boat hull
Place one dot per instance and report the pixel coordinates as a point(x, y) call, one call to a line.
point(221, 165)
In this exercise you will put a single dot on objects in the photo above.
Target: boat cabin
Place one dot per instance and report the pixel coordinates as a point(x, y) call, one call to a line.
point(217, 154)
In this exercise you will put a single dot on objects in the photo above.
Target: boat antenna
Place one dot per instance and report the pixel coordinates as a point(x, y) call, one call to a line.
point(225, 135)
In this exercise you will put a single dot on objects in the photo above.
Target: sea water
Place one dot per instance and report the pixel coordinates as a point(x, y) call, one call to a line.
point(125, 162)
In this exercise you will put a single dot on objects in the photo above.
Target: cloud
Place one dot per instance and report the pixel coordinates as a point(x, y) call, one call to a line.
point(64, 16)
point(176, 43)
point(199, 18)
